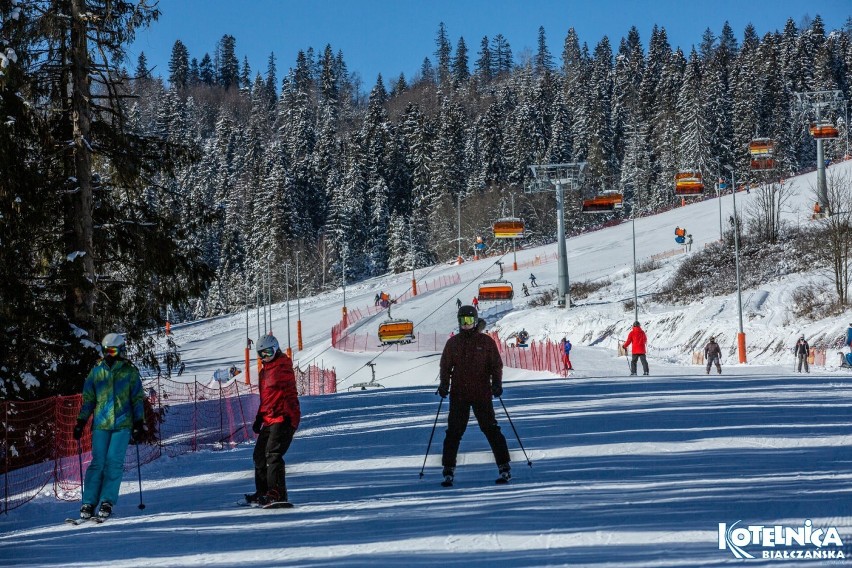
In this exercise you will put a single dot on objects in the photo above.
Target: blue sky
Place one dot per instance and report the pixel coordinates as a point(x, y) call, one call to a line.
point(394, 36)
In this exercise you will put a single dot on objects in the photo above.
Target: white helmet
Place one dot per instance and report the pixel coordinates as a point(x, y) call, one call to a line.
point(115, 340)
point(267, 342)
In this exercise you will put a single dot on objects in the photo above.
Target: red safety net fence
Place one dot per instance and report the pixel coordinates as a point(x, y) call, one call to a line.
point(39, 450)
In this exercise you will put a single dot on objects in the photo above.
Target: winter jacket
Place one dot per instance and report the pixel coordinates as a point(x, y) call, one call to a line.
point(637, 338)
point(114, 395)
point(278, 397)
point(567, 347)
point(712, 350)
point(802, 348)
point(470, 365)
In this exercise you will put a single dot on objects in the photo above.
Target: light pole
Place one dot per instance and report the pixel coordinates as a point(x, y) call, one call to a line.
point(413, 259)
point(287, 299)
point(514, 250)
point(741, 344)
point(345, 321)
point(458, 223)
point(719, 197)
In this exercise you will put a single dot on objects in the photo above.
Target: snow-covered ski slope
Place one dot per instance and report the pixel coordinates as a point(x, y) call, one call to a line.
point(627, 471)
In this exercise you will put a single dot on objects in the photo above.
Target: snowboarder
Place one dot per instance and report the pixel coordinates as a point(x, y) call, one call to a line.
point(275, 424)
point(525, 289)
point(713, 354)
point(566, 355)
point(532, 280)
point(802, 351)
point(113, 395)
point(637, 338)
point(471, 374)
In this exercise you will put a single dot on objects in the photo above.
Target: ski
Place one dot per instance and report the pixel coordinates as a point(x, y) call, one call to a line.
point(278, 505)
point(78, 521)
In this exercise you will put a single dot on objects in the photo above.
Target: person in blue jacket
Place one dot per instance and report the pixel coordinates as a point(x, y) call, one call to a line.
point(114, 398)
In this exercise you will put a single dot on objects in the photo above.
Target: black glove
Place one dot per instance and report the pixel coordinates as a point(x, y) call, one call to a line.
point(78, 429)
point(258, 424)
point(497, 391)
point(443, 391)
point(138, 431)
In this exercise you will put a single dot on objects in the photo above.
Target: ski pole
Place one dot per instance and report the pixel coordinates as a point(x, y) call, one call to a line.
point(512, 424)
point(139, 471)
point(429, 445)
point(80, 460)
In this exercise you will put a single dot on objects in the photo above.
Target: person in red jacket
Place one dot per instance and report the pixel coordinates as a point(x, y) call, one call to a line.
point(276, 422)
point(637, 339)
point(471, 374)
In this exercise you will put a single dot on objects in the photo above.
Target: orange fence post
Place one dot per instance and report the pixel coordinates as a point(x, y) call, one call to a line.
point(741, 346)
point(248, 365)
point(299, 334)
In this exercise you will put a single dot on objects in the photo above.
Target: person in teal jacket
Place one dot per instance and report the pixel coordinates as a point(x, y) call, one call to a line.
point(113, 397)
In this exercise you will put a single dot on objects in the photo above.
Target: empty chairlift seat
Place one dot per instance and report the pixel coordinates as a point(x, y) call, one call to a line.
point(689, 183)
point(508, 228)
point(495, 290)
point(824, 130)
point(762, 152)
point(396, 331)
point(606, 202)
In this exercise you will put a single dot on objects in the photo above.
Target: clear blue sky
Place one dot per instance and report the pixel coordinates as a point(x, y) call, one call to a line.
point(394, 36)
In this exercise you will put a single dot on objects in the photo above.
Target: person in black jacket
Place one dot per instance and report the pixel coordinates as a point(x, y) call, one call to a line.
point(471, 374)
point(713, 354)
point(802, 351)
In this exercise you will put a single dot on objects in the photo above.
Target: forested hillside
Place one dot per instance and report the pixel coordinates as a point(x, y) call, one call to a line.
point(130, 196)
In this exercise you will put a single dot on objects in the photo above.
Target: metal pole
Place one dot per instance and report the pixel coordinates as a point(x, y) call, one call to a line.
point(635, 288)
point(345, 323)
point(514, 251)
point(719, 197)
point(287, 296)
point(269, 293)
point(298, 304)
point(458, 220)
point(564, 300)
point(741, 334)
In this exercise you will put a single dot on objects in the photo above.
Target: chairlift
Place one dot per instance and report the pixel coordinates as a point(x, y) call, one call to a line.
point(689, 183)
point(496, 289)
point(824, 131)
point(509, 228)
point(396, 330)
point(607, 201)
point(762, 152)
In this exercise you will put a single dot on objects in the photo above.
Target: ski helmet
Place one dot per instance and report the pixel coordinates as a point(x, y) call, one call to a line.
point(467, 316)
point(113, 342)
point(635, 324)
point(712, 339)
point(267, 342)
point(467, 311)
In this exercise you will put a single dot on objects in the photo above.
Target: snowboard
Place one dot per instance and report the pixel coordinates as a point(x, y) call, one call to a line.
point(278, 505)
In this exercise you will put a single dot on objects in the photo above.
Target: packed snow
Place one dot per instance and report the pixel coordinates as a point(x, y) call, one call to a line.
point(614, 470)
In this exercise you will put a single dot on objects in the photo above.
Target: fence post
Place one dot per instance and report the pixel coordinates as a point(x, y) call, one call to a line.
point(195, 414)
point(221, 414)
point(6, 457)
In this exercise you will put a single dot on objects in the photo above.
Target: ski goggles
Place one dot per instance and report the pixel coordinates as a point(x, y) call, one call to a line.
point(266, 353)
point(467, 320)
point(112, 351)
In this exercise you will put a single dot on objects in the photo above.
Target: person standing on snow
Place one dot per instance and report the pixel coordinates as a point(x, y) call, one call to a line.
point(113, 395)
point(471, 374)
point(475, 303)
point(713, 354)
point(637, 339)
point(525, 289)
point(275, 424)
point(458, 303)
point(566, 355)
point(532, 280)
point(802, 350)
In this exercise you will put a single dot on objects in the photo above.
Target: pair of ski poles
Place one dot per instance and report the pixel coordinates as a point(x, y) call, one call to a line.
point(435, 425)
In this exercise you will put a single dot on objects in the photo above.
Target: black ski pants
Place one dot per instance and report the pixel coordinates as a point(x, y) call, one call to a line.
point(272, 443)
point(714, 359)
point(457, 421)
point(634, 358)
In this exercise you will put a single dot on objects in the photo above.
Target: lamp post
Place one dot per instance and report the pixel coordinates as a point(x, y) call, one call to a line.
point(287, 299)
point(741, 344)
point(413, 259)
point(345, 320)
point(514, 250)
point(458, 224)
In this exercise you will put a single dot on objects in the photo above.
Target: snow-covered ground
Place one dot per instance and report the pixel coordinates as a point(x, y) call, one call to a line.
point(625, 471)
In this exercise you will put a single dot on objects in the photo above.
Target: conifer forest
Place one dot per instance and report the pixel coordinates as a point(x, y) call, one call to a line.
point(130, 196)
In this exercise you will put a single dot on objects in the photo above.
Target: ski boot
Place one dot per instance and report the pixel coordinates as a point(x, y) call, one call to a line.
point(87, 510)
point(105, 511)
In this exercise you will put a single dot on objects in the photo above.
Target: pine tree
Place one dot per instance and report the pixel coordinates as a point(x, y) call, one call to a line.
point(543, 58)
point(179, 66)
point(443, 52)
point(485, 63)
point(229, 65)
point(460, 70)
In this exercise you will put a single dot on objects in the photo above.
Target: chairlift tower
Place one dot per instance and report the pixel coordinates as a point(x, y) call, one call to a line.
point(547, 177)
point(816, 103)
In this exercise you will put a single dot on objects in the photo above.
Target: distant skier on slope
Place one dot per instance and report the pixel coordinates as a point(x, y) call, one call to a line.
point(566, 355)
point(471, 374)
point(713, 354)
point(637, 339)
point(275, 424)
point(802, 351)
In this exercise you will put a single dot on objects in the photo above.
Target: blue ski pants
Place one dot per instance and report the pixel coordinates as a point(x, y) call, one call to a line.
point(103, 477)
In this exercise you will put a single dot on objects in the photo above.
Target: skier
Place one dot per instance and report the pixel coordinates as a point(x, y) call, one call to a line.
point(376, 300)
point(532, 280)
point(713, 354)
point(275, 424)
point(458, 303)
point(566, 355)
point(637, 338)
point(475, 303)
point(849, 336)
point(525, 289)
point(113, 395)
point(688, 243)
point(471, 374)
point(801, 351)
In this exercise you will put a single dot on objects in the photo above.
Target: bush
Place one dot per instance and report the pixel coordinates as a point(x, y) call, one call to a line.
point(581, 290)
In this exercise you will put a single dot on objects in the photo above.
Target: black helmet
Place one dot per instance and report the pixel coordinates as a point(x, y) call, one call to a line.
point(467, 311)
point(635, 324)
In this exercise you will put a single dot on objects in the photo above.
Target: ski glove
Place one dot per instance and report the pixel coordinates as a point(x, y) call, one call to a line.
point(497, 391)
point(138, 431)
point(443, 391)
point(258, 424)
point(78, 429)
